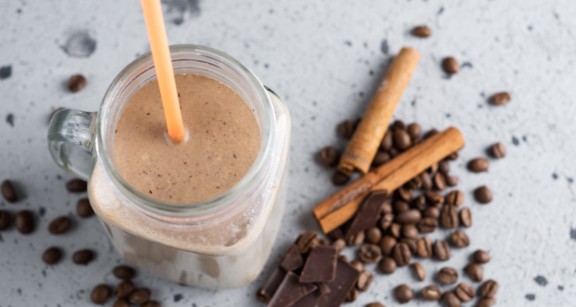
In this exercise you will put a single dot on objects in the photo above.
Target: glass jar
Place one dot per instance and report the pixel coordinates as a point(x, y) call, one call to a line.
point(220, 243)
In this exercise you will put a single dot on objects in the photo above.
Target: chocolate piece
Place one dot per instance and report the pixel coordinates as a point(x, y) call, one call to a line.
point(369, 213)
point(290, 291)
point(267, 291)
point(305, 240)
point(323, 289)
point(293, 259)
point(320, 265)
point(346, 277)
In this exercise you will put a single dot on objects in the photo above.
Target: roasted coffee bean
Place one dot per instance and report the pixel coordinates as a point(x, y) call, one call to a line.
point(466, 217)
point(124, 289)
point(52, 255)
point(459, 239)
point(434, 198)
point(375, 304)
point(5, 220)
point(424, 247)
point(464, 292)
point(356, 239)
point(387, 245)
point(427, 225)
point(414, 131)
point(500, 99)
point(346, 129)
point(410, 242)
point(439, 182)
point(431, 132)
point(450, 65)
point(478, 165)
point(452, 181)
point(419, 203)
point(431, 293)
point(402, 254)
point(408, 217)
point(483, 195)
point(455, 198)
point(403, 293)
point(489, 288)
point(358, 265)
point(481, 256)
point(83, 256)
point(398, 124)
point(343, 258)
point(100, 294)
point(139, 296)
point(474, 271)
point(328, 156)
point(76, 186)
point(451, 300)
point(453, 156)
point(497, 150)
point(426, 180)
point(410, 231)
point(370, 253)
point(387, 142)
point(151, 304)
point(486, 302)
point(364, 280)
point(400, 206)
point(373, 235)
point(395, 230)
point(401, 139)
point(388, 265)
point(441, 250)
point(418, 271)
point(387, 207)
point(123, 272)
point(339, 178)
point(352, 295)
point(447, 276)
point(444, 167)
point(339, 245)
point(380, 158)
point(76, 83)
point(24, 222)
point(121, 303)
point(421, 31)
point(432, 212)
point(386, 221)
point(449, 217)
point(83, 208)
point(304, 241)
point(404, 194)
point(9, 192)
point(59, 225)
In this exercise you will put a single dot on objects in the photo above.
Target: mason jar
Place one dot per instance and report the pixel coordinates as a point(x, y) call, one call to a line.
point(223, 242)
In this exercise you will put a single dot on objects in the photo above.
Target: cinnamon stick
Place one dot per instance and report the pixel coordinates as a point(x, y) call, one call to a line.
point(364, 143)
point(340, 207)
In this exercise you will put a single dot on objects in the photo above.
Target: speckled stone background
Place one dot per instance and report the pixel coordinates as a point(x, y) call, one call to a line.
point(325, 58)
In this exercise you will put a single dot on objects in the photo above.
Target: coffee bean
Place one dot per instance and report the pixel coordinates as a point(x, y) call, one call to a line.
point(123, 272)
point(380, 158)
point(401, 206)
point(450, 65)
point(76, 186)
point(439, 181)
point(464, 292)
point(5, 220)
point(427, 225)
point(59, 225)
point(411, 242)
point(395, 230)
point(358, 265)
point(418, 271)
point(398, 124)
point(24, 222)
point(124, 289)
point(364, 280)
point(483, 195)
point(466, 217)
point(151, 304)
point(478, 165)
point(387, 245)
point(387, 265)
point(387, 142)
point(339, 245)
point(373, 235)
point(352, 295)
point(441, 250)
point(453, 156)
point(486, 302)
point(408, 217)
point(100, 294)
point(328, 156)
point(433, 169)
point(500, 99)
point(375, 304)
point(346, 129)
point(474, 271)
point(356, 239)
point(76, 83)
point(402, 254)
point(459, 239)
point(434, 198)
point(481, 256)
point(403, 293)
point(401, 139)
point(370, 253)
point(410, 231)
point(447, 276)
point(9, 192)
point(339, 178)
point(139, 296)
point(444, 167)
point(404, 194)
point(432, 212)
point(452, 181)
point(426, 180)
point(431, 293)
point(424, 247)
point(455, 198)
point(83, 208)
point(489, 288)
point(386, 221)
point(121, 303)
point(451, 300)
point(449, 217)
point(83, 256)
point(387, 207)
point(421, 31)
point(419, 203)
point(414, 131)
point(52, 255)
point(497, 150)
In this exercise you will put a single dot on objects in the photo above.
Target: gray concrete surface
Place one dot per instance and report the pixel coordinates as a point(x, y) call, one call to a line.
point(324, 58)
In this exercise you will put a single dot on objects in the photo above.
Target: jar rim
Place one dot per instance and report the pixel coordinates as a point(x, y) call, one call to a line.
point(201, 210)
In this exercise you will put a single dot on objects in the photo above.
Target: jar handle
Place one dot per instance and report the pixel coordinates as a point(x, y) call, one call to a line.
point(71, 140)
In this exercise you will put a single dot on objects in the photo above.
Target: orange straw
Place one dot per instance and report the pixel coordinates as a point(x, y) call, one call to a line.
point(164, 71)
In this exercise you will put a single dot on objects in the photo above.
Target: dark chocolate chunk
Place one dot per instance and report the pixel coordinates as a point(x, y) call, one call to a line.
point(290, 291)
point(369, 213)
point(267, 291)
point(320, 265)
point(293, 259)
